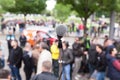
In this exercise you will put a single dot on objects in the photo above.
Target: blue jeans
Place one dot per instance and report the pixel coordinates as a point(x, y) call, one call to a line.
point(91, 68)
point(15, 73)
point(66, 72)
point(100, 76)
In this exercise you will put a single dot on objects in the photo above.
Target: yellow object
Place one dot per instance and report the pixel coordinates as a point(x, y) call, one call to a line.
point(55, 52)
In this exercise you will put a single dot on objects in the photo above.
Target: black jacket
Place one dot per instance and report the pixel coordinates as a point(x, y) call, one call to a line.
point(15, 57)
point(45, 76)
point(101, 64)
point(92, 55)
point(77, 49)
point(67, 56)
point(28, 62)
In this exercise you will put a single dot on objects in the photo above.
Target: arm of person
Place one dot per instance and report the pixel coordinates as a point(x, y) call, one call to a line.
point(116, 64)
point(70, 57)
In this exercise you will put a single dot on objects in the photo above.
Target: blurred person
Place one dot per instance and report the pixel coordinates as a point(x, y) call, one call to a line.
point(38, 38)
point(113, 71)
point(3, 25)
point(5, 74)
point(81, 29)
point(22, 40)
point(46, 73)
point(106, 37)
point(73, 26)
point(15, 60)
point(31, 39)
point(2, 59)
point(77, 52)
point(86, 42)
point(22, 26)
point(67, 59)
point(27, 60)
point(14, 29)
point(44, 55)
point(101, 63)
point(92, 54)
point(9, 38)
point(35, 56)
point(55, 56)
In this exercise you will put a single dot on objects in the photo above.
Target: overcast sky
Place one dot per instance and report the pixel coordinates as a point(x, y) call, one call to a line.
point(50, 4)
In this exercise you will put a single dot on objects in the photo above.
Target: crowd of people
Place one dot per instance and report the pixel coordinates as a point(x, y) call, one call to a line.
point(85, 57)
point(49, 62)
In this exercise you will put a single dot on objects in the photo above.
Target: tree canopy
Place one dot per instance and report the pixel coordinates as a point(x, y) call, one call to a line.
point(23, 6)
point(62, 12)
point(84, 8)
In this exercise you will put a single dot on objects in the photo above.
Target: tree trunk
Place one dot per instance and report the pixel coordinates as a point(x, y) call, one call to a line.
point(112, 25)
point(85, 25)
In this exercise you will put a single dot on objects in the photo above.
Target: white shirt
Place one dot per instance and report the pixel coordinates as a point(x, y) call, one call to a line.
point(45, 55)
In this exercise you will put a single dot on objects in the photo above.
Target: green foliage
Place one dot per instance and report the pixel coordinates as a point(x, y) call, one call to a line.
point(62, 12)
point(5, 4)
point(24, 6)
point(84, 8)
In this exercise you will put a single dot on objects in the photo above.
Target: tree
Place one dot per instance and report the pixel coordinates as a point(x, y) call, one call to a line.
point(111, 6)
point(62, 12)
point(4, 4)
point(84, 8)
point(24, 6)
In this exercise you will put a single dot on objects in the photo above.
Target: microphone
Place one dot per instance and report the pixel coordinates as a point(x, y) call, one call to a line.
point(60, 30)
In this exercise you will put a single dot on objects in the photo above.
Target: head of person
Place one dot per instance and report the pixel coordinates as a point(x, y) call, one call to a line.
point(77, 39)
point(28, 46)
point(36, 47)
point(43, 46)
point(113, 52)
point(14, 43)
point(99, 48)
point(22, 34)
point(55, 42)
point(46, 66)
point(109, 42)
point(65, 44)
point(5, 74)
point(106, 37)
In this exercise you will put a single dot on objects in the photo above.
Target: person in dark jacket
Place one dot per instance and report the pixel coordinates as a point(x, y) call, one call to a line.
point(77, 52)
point(9, 38)
point(28, 62)
point(46, 72)
point(113, 65)
point(101, 63)
point(67, 58)
point(22, 40)
point(15, 59)
point(92, 53)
